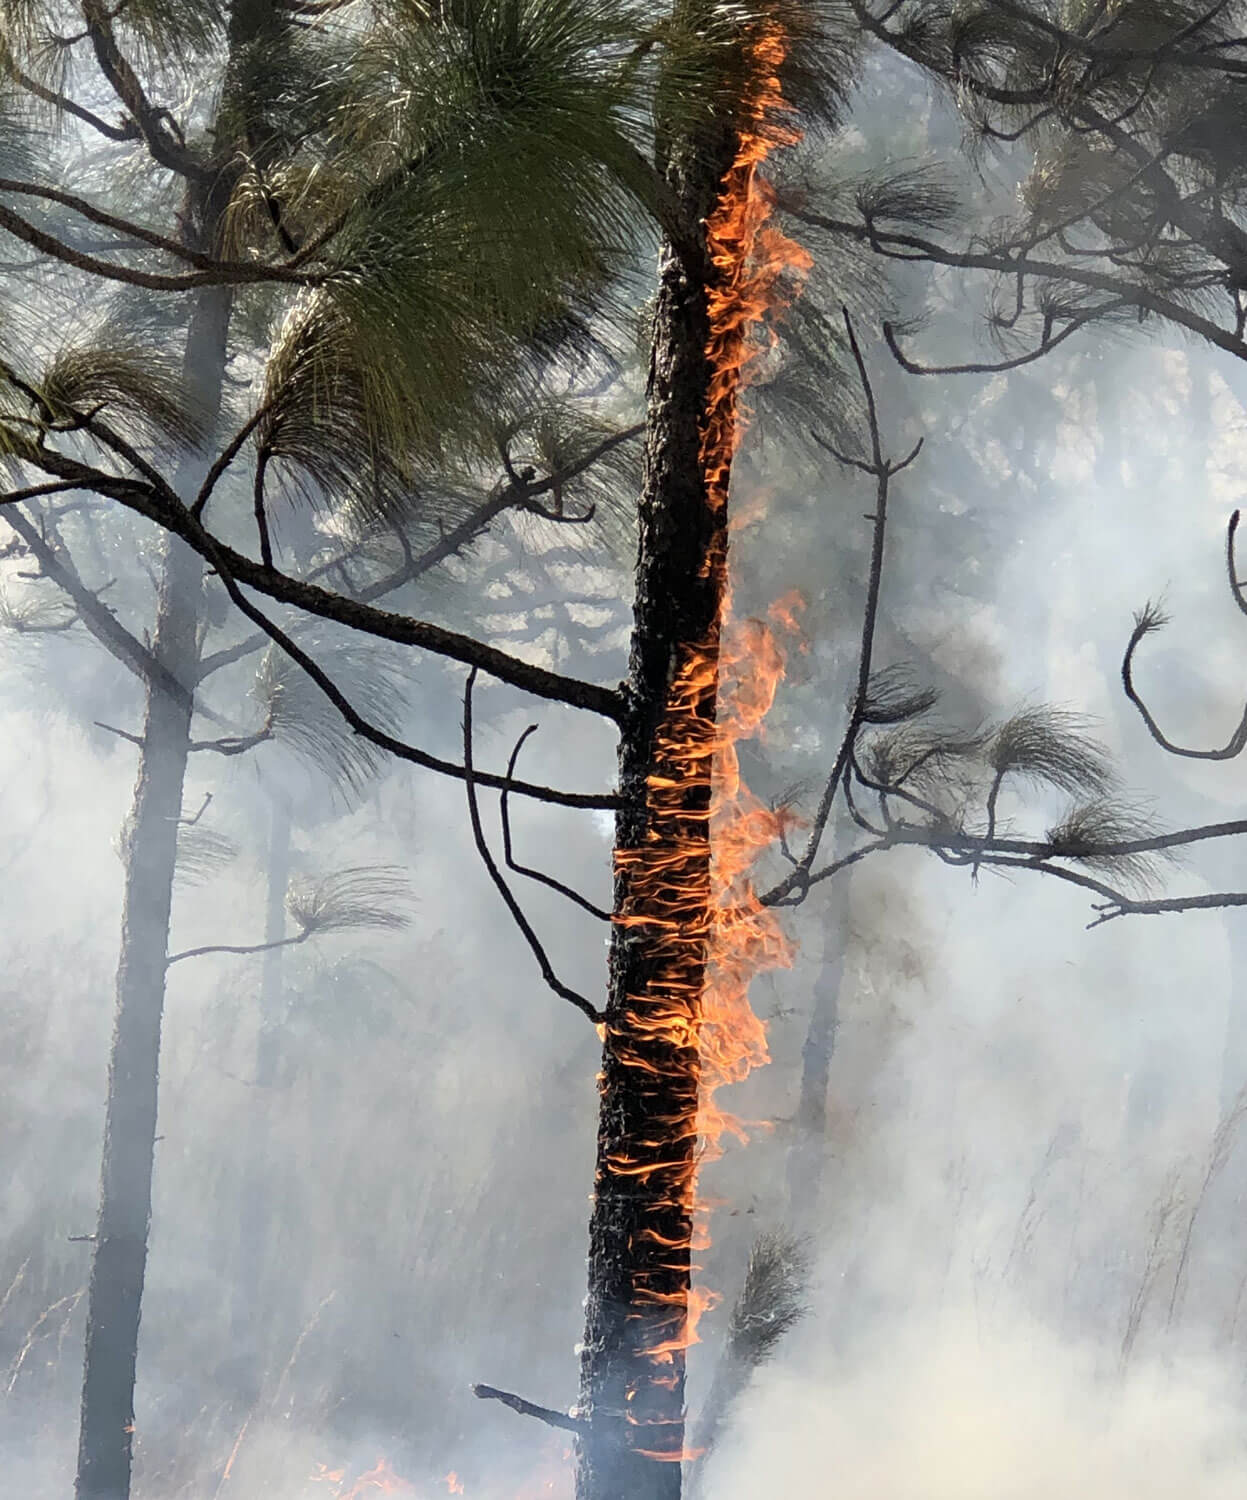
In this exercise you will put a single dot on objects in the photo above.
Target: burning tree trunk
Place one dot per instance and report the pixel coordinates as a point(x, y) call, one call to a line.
point(642, 1232)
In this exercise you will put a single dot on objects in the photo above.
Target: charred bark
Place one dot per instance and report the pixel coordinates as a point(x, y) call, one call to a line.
point(631, 1398)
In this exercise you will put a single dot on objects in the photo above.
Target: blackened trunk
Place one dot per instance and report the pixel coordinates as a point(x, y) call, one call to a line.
point(119, 1261)
point(632, 1364)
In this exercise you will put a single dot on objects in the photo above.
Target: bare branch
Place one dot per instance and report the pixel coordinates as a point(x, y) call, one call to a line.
point(388, 742)
point(1048, 341)
point(882, 469)
point(158, 503)
point(504, 890)
point(243, 948)
point(126, 227)
point(445, 547)
point(1003, 261)
point(123, 734)
point(167, 147)
point(525, 1408)
point(538, 875)
point(96, 616)
point(127, 131)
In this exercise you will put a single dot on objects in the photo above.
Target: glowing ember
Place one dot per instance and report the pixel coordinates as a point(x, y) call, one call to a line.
point(706, 933)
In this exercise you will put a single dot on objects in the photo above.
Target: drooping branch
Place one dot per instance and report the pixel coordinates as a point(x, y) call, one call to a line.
point(495, 874)
point(379, 737)
point(538, 875)
point(1050, 339)
point(240, 948)
point(1147, 622)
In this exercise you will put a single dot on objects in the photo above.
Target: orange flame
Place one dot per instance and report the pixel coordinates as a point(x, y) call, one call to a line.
point(379, 1480)
point(708, 940)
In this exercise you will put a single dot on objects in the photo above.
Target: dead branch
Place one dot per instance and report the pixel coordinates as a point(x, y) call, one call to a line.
point(547, 880)
point(882, 469)
point(504, 890)
point(525, 1408)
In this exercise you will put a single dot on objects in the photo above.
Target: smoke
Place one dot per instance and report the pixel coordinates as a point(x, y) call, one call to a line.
point(938, 1409)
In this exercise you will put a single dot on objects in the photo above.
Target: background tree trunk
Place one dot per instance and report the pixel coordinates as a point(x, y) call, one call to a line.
point(119, 1262)
point(120, 1258)
point(808, 1153)
point(250, 1319)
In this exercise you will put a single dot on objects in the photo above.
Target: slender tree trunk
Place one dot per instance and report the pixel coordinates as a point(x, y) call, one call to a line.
point(809, 1147)
point(249, 1321)
point(632, 1364)
point(119, 1262)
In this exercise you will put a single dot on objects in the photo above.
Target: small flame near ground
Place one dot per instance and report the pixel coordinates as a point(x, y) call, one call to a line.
point(381, 1479)
point(550, 1479)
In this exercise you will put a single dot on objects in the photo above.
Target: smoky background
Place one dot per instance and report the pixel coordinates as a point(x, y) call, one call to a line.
point(1023, 1211)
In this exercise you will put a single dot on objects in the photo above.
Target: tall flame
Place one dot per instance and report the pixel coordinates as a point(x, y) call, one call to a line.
point(709, 936)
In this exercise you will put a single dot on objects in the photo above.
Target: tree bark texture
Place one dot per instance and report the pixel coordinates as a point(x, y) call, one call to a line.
point(120, 1258)
point(250, 1316)
point(119, 1262)
point(809, 1147)
point(632, 1364)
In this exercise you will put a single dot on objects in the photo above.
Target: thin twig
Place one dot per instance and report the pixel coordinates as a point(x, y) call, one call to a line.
point(242, 948)
point(495, 874)
point(882, 469)
point(548, 880)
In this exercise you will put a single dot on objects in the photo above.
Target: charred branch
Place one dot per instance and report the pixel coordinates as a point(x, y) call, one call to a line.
point(545, 1414)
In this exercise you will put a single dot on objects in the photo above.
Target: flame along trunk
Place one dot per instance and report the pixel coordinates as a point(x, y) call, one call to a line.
point(687, 931)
